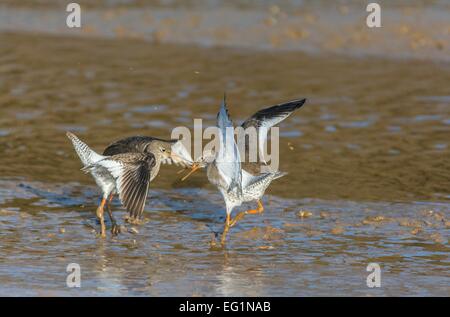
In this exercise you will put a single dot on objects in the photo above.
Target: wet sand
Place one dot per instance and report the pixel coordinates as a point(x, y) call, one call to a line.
point(367, 158)
point(371, 129)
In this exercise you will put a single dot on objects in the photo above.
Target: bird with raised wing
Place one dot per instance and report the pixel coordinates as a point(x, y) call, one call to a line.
point(247, 181)
point(126, 168)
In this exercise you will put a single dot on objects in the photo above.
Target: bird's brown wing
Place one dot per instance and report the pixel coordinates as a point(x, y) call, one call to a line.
point(132, 172)
point(131, 144)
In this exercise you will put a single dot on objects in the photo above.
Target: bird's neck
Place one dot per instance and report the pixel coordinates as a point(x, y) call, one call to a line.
point(155, 168)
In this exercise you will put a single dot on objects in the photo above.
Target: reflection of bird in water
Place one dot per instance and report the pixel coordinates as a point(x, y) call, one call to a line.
point(247, 182)
point(126, 168)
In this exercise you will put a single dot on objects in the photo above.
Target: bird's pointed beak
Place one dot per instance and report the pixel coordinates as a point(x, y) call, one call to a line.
point(194, 168)
point(178, 160)
point(175, 157)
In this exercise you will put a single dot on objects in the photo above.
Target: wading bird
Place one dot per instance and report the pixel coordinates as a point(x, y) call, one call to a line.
point(244, 182)
point(126, 168)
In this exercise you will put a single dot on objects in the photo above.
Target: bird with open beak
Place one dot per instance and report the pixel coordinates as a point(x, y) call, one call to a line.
point(239, 181)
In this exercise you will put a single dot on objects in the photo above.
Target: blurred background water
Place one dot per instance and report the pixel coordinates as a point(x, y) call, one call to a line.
point(367, 156)
point(418, 29)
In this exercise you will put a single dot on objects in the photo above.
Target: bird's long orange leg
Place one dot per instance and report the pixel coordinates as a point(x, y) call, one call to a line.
point(238, 217)
point(258, 210)
point(225, 230)
point(242, 214)
point(100, 212)
point(231, 222)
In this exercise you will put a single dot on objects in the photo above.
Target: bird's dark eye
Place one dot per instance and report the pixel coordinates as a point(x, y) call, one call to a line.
point(163, 149)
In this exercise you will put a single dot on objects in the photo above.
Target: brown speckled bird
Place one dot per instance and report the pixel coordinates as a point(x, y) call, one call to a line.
point(126, 168)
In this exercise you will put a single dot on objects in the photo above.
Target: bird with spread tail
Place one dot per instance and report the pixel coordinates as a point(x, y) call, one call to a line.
point(247, 181)
point(126, 168)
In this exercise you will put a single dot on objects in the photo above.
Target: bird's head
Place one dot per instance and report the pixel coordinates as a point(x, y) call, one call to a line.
point(161, 149)
point(202, 162)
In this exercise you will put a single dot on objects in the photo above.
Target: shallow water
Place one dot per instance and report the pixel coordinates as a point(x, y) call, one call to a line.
point(367, 157)
point(275, 254)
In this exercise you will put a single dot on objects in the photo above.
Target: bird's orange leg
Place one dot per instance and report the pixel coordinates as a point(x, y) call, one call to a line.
point(242, 214)
point(231, 222)
point(225, 230)
point(100, 212)
point(238, 217)
point(258, 210)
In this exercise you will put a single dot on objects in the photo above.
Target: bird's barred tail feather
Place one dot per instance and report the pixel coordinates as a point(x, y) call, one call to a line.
point(86, 154)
